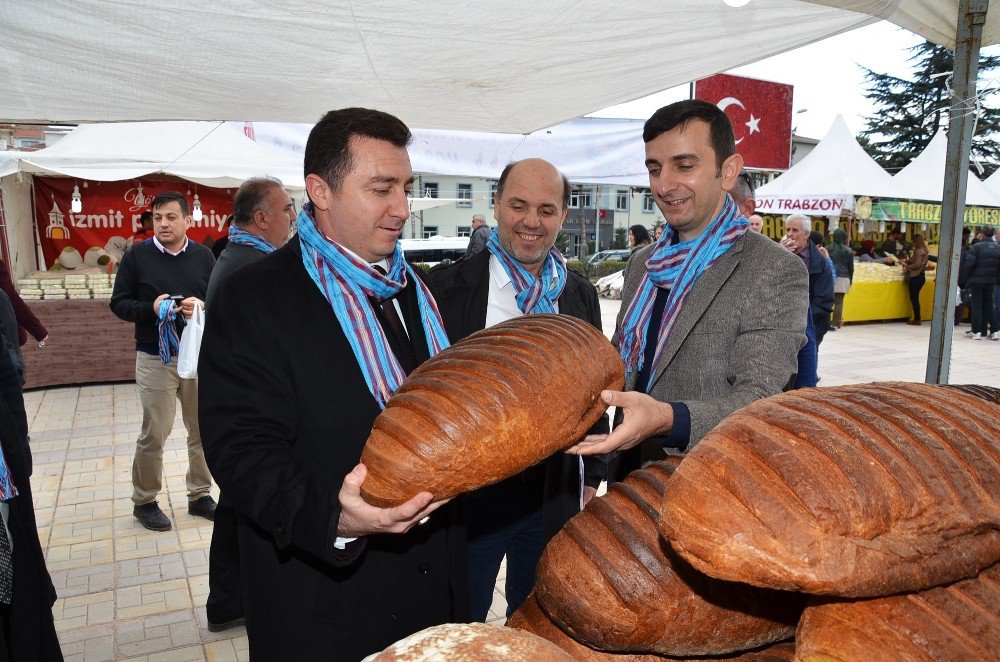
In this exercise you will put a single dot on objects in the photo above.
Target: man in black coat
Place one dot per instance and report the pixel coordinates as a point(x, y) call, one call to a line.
point(261, 221)
point(980, 273)
point(519, 515)
point(286, 408)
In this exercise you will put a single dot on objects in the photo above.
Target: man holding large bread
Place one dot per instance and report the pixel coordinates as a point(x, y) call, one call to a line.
point(301, 352)
point(520, 272)
point(712, 316)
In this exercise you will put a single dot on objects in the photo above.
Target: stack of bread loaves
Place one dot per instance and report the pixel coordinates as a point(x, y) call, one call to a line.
point(877, 507)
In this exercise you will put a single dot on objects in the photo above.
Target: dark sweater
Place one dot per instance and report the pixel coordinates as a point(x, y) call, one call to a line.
point(26, 320)
point(145, 273)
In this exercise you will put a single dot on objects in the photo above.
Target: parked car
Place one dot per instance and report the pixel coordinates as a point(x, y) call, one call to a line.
point(606, 256)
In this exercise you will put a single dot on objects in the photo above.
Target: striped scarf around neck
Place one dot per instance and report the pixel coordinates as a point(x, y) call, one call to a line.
point(347, 282)
point(675, 267)
point(166, 327)
point(534, 294)
point(241, 237)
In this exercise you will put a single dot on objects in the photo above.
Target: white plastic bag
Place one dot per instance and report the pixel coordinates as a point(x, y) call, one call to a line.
point(190, 345)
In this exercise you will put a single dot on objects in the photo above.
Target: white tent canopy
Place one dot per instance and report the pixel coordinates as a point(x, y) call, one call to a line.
point(207, 153)
point(587, 150)
point(828, 178)
point(923, 178)
point(993, 183)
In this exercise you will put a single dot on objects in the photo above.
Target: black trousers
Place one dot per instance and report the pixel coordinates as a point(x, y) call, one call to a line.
point(915, 284)
point(225, 586)
point(984, 313)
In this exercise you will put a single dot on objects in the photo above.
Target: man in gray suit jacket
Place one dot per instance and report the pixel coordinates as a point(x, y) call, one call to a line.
point(730, 333)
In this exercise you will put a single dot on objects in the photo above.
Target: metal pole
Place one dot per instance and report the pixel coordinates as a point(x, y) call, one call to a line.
point(969, 32)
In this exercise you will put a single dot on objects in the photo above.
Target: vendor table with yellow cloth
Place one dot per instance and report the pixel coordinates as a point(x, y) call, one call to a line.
point(868, 301)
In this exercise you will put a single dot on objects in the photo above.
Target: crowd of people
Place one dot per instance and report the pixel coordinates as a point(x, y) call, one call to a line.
point(309, 334)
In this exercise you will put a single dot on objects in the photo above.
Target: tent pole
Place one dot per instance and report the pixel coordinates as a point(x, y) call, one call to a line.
point(971, 16)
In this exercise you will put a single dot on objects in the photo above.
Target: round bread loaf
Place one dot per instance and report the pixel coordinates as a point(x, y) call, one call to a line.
point(855, 491)
point(471, 642)
point(488, 407)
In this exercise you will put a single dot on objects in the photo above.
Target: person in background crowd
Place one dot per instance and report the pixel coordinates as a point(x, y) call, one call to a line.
point(868, 254)
point(964, 295)
point(712, 315)
point(638, 237)
point(27, 322)
point(980, 274)
point(743, 192)
point(156, 280)
point(843, 266)
point(914, 268)
point(145, 230)
point(262, 219)
point(893, 245)
point(480, 233)
point(658, 232)
point(796, 239)
point(220, 244)
point(756, 222)
point(27, 630)
point(519, 515)
point(302, 350)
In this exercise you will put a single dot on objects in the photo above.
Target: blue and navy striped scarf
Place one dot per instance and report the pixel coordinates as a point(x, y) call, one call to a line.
point(241, 237)
point(675, 267)
point(534, 295)
point(166, 325)
point(347, 282)
point(7, 488)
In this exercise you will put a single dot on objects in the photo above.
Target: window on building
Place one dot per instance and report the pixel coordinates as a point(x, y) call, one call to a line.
point(648, 206)
point(464, 230)
point(581, 198)
point(430, 230)
point(621, 200)
point(464, 195)
point(493, 193)
point(431, 190)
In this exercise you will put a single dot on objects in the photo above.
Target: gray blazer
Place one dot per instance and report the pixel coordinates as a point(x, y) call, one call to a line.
point(738, 335)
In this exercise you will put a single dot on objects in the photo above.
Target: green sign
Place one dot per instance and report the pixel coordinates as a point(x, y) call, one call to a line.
point(929, 212)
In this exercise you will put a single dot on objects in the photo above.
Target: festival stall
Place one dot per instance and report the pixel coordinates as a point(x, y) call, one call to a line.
point(71, 211)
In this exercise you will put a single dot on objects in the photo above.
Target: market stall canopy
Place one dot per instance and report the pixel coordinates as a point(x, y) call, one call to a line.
point(923, 178)
point(207, 153)
point(588, 150)
point(828, 178)
point(993, 183)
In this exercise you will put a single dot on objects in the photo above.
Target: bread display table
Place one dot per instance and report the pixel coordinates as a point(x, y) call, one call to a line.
point(868, 301)
point(87, 343)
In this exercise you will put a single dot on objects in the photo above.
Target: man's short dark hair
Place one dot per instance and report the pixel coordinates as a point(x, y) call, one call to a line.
point(720, 130)
point(327, 151)
point(988, 231)
point(510, 166)
point(146, 217)
point(171, 196)
point(743, 189)
point(251, 197)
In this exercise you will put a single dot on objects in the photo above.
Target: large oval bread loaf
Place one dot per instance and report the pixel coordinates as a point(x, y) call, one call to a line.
point(855, 491)
point(610, 582)
point(530, 617)
point(490, 406)
point(956, 622)
point(470, 642)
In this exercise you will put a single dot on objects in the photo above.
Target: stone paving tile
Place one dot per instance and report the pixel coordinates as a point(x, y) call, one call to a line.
point(90, 644)
point(84, 610)
point(78, 581)
point(230, 650)
point(145, 543)
point(62, 557)
point(153, 598)
point(157, 633)
point(149, 570)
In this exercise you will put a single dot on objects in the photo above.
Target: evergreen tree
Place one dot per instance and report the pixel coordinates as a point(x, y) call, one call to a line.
point(909, 112)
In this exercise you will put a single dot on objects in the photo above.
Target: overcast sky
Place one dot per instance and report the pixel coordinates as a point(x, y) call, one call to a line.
point(826, 75)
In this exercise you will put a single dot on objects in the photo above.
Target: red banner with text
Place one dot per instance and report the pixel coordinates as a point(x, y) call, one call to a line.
point(110, 214)
point(761, 113)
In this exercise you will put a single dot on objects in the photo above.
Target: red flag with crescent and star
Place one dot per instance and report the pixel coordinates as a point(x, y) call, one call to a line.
point(761, 113)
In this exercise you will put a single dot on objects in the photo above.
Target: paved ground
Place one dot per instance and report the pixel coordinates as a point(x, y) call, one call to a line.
point(131, 594)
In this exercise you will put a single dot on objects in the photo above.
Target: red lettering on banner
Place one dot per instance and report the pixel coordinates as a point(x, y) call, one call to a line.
point(106, 206)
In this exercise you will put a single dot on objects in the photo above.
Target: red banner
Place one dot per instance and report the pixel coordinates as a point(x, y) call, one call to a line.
point(761, 113)
point(110, 215)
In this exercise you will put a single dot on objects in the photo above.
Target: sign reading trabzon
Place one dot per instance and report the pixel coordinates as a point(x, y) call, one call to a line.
point(929, 212)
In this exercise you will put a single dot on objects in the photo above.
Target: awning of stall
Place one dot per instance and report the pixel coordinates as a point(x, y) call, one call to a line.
point(923, 178)
point(828, 180)
point(208, 153)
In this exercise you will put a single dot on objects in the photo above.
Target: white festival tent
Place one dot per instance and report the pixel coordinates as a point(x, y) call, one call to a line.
point(514, 66)
point(923, 178)
point(827, 180)
point(206, 153)
point(993, 183)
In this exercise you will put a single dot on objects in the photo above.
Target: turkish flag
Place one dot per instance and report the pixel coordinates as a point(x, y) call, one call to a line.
point(761, 113)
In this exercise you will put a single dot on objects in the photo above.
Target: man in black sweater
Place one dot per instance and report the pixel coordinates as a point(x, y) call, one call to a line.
point(168, 266)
